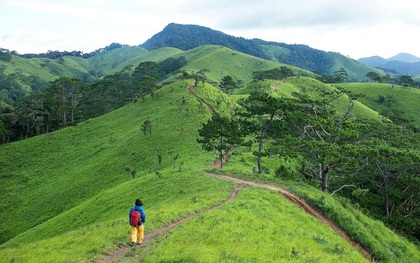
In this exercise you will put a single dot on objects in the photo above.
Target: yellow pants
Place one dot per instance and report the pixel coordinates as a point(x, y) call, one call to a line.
point(137, 234)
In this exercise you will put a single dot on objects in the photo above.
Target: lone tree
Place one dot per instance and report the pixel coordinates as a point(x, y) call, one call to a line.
point(147, 127)
point(220, 133)
point(260, 114)
point(227, 84)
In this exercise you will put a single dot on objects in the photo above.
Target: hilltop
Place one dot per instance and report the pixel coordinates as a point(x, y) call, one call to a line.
point(186, 37)
point(96, 64)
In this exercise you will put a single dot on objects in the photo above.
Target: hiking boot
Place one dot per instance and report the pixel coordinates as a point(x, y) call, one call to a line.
point(133, 243)
point(139, 243)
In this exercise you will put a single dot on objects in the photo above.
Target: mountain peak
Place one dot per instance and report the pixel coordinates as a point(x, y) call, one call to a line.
point(405, 57)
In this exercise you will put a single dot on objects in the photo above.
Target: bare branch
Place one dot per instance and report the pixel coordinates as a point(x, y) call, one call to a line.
point(341, 188)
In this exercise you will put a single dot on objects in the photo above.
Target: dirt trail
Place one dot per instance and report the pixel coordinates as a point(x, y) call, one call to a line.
point(118, 253)
point(302, 203)
point(211, 109)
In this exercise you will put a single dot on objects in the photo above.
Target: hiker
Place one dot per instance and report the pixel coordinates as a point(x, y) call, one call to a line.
point(137, 218)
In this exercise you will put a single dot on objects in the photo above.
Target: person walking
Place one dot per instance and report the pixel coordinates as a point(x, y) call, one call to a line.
point(137, 218)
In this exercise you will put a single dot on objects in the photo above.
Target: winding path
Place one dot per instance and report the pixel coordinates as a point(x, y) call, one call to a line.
point(211, 109)
point(303, 204)
point(118, 253)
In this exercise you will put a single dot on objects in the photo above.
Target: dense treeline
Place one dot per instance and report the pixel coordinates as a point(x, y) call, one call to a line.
point(373, 164)
point(67, 101)
point(404, 80)
point(6, 54)
point(187, 37)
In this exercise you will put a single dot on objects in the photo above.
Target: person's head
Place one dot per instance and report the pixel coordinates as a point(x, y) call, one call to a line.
point(139, 202)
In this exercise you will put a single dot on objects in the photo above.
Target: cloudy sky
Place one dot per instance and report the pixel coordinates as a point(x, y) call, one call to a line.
point(354, 28)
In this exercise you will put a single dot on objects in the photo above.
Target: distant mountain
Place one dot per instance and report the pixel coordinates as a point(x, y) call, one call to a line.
point(403, 63)
point(405, 57)
point(374, 61)
point(186, 37)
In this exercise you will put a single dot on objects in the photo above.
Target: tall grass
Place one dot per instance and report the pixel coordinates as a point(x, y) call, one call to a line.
point(384, 244)
point(404, 99)
point(373, 235)
point(258, 226)
point(49, 174)
point(100, 224)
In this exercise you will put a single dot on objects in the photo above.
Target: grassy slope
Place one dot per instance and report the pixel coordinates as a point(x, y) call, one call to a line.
point(74, 164)
point(218, 60)
point(356, 71)
point(99, 224)
point(26, 67)
point(86, 170)
point(312, 86)
point(221, 61)
point(50, 69)
point(258, 226)
point(405, 99)
point(111, 61)
point(275, 51)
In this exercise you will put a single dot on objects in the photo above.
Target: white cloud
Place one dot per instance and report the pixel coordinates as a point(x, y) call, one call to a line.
point(356, 28)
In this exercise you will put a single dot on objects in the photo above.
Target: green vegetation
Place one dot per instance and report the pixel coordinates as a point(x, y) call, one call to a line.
point(187, 37)
point(383, 243)
point(98, 224)
point(399, 104)
point(76, 163)
point(255, 227)
point(137, 134)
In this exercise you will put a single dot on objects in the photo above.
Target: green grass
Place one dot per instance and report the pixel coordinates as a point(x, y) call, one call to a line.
point(313, 87)
point(100, 224)
point(76, 163)
point(82, 180)
point(396, 97)
point(214, 97)
point(356, 70)
point(28, 67)
point(258, 226)
point(384, 244)
point(221, 61)
point(155, 55)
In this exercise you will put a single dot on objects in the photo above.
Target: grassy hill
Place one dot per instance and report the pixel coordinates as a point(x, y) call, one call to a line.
point(215, 61)
point(76, 185)
point(186, 37)
point(395, 97)
point(219, 61)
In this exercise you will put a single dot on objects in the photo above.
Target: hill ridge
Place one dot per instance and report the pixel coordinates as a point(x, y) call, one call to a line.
point(239, 184)
point(121, 251)
point(186, 37)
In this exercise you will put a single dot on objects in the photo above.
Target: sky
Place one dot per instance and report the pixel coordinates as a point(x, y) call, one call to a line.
point(354, 28)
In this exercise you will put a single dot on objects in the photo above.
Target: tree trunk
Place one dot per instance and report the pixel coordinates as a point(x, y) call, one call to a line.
point(221, 152)
point(386, 197)
point(221, 158)
point(260, 147)
point(323, 171)
point(63, 98)
point(72, 108)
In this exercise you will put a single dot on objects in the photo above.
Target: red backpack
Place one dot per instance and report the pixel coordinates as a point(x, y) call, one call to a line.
point(135, 218)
